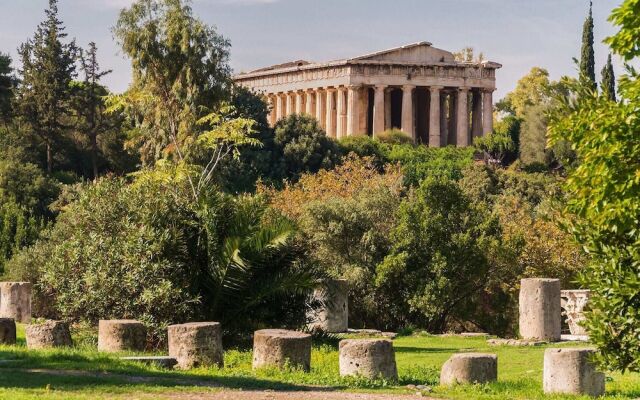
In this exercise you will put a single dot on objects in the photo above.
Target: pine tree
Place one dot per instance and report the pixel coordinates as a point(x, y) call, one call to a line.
point(89, 102)
point(609, 80)
point(587, 59)
point(48, 67)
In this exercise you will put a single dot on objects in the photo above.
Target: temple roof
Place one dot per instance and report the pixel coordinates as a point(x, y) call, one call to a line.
point(420, 53)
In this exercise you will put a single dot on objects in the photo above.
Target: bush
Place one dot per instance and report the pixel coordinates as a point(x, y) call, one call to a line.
point(394, 136)
point(438, 265)
point(304, 146)
point(420, 162)
point(364, 146)
point(146, 251)
point(118, 252)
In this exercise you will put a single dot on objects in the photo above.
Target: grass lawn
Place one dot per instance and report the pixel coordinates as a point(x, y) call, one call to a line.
point(82, 372)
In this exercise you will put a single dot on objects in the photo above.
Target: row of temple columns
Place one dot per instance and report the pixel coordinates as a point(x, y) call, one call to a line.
point(457, 113)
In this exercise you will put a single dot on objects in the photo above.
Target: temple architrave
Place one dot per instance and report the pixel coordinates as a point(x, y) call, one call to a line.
point(417, 88)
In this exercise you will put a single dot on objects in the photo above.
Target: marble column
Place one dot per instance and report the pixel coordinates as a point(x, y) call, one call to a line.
point(330, 113)
point(341, 128)
point(379, 111)
point(299, 107)
point(308, 103)
point(444, 126)
point(462, 129)
point(290, 105)
point(320, 108)
point(434, 116)
point(387, 109)
point(279, 106)
point(452, 115)
point(476, 113)
point(487, 111)
point(272, 109)
point(407, 110)
point(353, 110)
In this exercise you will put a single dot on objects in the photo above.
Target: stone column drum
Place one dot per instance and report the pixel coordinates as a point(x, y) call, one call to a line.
point(279, 347)
point(48, 334)
point(15, 301)
point(540, 312)
point(7, 331)
point(469, 368)
point(333, 317)
point(121, 335)
point(196, 344)
point(569, 371)
point(370, 358)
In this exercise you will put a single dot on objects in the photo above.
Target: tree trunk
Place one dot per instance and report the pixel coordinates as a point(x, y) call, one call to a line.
point(49, 158)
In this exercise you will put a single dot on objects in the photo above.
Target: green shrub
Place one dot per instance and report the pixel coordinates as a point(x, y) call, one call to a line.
point(146, 251)
point(421, 162)
point(394, 136)
point(364, 146)
point(304, 146)
point(438, 266)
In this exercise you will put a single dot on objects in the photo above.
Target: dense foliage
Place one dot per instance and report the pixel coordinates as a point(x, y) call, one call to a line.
point(604, 192)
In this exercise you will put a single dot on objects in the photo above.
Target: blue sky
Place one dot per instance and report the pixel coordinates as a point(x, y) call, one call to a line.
point(519, 34)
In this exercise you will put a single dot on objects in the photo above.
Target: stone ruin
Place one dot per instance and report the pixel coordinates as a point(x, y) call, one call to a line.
point(370, 358)
point(469, 368)
point(539, 306)
point(570, 371)
point(333, 315)
point(573, 304)
point(15, 301)
point(280, 348)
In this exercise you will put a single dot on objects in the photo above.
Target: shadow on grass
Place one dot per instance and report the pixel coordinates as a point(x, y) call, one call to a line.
point(71, 370)
point(34, 379)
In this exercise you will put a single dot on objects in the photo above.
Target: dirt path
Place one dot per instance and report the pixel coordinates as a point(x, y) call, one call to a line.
point(272, 395)
point(305, 393)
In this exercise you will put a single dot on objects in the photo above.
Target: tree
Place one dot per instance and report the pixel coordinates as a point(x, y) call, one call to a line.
point(304, 146)
point(609, 80)
point(438, 265)
point(533, 136)
point(531, 90)
point(604, 197)
point(48, 66)
point(180, 74)
point(7, 87)
point(89, 104)
point(467, 54)
point(587, 57)
point(495, 147)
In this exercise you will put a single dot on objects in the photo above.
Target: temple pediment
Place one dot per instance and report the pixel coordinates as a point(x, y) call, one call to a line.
point(419, 53)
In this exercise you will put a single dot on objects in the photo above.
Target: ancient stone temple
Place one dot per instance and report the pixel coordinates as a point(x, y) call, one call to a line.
point(417, 88)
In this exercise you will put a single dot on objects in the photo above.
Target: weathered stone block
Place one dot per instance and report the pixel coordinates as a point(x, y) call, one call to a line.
point(48, 334)
point(196, 344)
point(7, 331)
point(334, 315)
point(121, 335)
point(370, 358)
point(574, 302)
point(15, 301)
point(469, 368)
point(570, 371)
point(540, 312)
point(279, 347)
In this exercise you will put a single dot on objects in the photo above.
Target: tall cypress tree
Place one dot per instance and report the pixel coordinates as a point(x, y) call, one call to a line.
point(587, 58)
point(7, 86)
point(609, 80)
point(48, 66)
